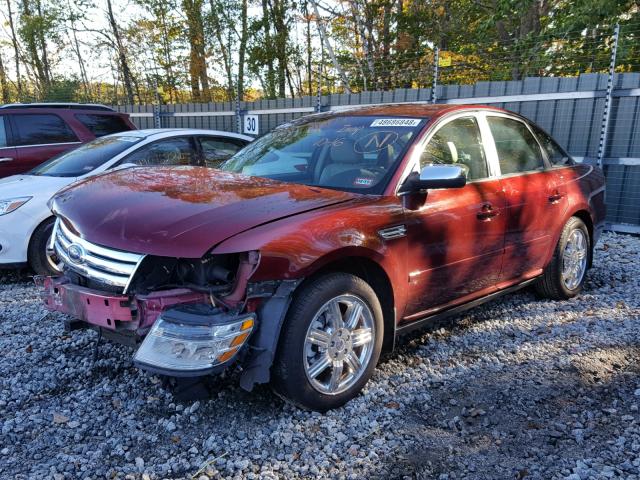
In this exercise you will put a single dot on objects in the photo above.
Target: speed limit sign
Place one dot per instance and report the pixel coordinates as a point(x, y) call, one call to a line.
point(251, 124)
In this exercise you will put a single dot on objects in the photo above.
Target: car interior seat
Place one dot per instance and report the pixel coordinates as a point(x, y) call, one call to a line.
point(344, 161)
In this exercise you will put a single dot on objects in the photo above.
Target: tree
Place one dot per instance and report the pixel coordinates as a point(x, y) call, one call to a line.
point(242, 51)
point(14, 41)
point(33, 25)
point(4, 85)
point(162, 33)
point(121, 52)
point(199, 79)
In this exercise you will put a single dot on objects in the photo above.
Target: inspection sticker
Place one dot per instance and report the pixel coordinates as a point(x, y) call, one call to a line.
point(363, 182)
point(396, 122)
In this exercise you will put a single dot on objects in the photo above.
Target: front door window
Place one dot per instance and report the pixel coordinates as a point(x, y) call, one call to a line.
point(458, 142)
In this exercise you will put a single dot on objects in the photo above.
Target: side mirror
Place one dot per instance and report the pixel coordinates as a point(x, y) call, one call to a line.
point(435, 176)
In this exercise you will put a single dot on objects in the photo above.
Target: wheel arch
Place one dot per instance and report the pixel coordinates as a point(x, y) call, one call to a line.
point(34, 230)
point(375, 275)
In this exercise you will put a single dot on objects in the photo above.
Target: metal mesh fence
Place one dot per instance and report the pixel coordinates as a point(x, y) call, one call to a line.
point(569, 84)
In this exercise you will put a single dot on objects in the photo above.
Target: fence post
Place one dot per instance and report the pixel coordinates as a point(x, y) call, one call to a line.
point(319, 92)
point(436, 64)
point(604, 131)
point(238, 115)
point(157, 119)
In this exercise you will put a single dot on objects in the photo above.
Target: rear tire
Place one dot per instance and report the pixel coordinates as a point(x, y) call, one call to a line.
point(39, 259)
point(325, 358)
point(564, 276)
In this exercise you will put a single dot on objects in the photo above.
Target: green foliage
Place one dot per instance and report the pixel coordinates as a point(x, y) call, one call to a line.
point(63, 90)
point(200, 50)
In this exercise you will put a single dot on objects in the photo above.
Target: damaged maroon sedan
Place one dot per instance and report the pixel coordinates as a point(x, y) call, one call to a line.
point(307, 253)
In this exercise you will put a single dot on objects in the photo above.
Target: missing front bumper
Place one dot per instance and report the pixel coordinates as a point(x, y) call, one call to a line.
point(180, 321)
point(111, 311)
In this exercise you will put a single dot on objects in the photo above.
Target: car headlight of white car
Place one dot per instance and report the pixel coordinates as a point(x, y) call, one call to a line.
point(8, 205)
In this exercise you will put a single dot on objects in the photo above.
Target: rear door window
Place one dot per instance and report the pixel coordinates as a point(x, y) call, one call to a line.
point(169, 152)
point(216, 150)
point(101, 125)
point(41, 129)
point(518, 150)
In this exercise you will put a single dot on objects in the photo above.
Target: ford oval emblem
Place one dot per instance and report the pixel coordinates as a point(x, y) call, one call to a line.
point(76, 253)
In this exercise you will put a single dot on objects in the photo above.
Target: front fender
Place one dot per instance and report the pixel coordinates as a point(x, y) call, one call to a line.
point(297, 247)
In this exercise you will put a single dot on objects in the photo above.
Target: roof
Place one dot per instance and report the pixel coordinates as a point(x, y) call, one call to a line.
point(421, 110)
point(62, 105)
point(425, 110)
point(173, 132)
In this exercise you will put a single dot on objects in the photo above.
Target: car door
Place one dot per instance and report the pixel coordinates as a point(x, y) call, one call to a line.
point(215, 150)
point(562, 169)
point(8, 155)
point(40, 136)
point(456, 236)
point(530, 192)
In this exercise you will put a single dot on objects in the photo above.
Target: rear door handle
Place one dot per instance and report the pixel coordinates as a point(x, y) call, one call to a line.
point(6, 159)
point(555, 197)
point(487, 212)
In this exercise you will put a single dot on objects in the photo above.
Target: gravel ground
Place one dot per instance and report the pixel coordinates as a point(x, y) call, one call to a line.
point(519, 388)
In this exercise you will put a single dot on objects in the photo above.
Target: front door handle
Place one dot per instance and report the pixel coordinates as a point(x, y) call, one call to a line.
point(487, 212)
point(5, 159)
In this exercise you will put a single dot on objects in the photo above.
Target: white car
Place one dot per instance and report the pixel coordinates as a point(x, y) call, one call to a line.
point(25, 219)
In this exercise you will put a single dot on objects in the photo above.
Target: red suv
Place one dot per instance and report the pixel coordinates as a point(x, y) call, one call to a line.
point(32, 133)
point(309, 251)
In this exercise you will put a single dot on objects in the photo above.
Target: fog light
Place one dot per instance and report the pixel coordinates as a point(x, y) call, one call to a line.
point(193, 338)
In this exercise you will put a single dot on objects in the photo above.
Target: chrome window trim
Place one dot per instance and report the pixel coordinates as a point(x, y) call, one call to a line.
point(414, 162)
point(45, 144)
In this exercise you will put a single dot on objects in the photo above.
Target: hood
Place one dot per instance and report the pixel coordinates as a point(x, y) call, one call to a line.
point(180, 211)
point(32, 186)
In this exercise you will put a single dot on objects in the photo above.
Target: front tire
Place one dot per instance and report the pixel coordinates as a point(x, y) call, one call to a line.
point(564, 276)
point(41, 260)
point(330, 342)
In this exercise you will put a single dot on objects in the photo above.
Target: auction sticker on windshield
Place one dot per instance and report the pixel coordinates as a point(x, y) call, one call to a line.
point(396, 122)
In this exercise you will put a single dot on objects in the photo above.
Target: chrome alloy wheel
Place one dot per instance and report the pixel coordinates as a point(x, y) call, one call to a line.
point(574, 259)
point(339, 344)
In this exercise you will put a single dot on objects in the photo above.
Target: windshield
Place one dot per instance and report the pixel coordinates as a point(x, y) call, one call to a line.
point(355, 153)
point(85, 158)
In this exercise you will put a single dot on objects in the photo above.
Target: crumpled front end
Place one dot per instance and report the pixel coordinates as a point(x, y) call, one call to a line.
point(186, 317)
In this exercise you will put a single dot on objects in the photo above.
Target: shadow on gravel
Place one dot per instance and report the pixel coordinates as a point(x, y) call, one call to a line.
point(519, 388)
point(15, 276)
point(501, 424)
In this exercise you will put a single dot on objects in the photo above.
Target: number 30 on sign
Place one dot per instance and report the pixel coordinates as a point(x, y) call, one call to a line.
point(251, 124)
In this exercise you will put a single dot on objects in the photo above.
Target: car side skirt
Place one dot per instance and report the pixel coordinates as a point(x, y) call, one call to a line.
point(423, 322)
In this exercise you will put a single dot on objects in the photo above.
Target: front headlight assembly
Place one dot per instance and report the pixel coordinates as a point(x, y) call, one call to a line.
point(8, 205)
point(191, 340)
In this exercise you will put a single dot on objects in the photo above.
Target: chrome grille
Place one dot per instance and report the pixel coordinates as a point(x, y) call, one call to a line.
point(112, 267)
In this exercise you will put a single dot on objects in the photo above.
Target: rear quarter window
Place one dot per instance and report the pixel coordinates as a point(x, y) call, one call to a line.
point(101, 125)
point(41, 129)
point(556, 154)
